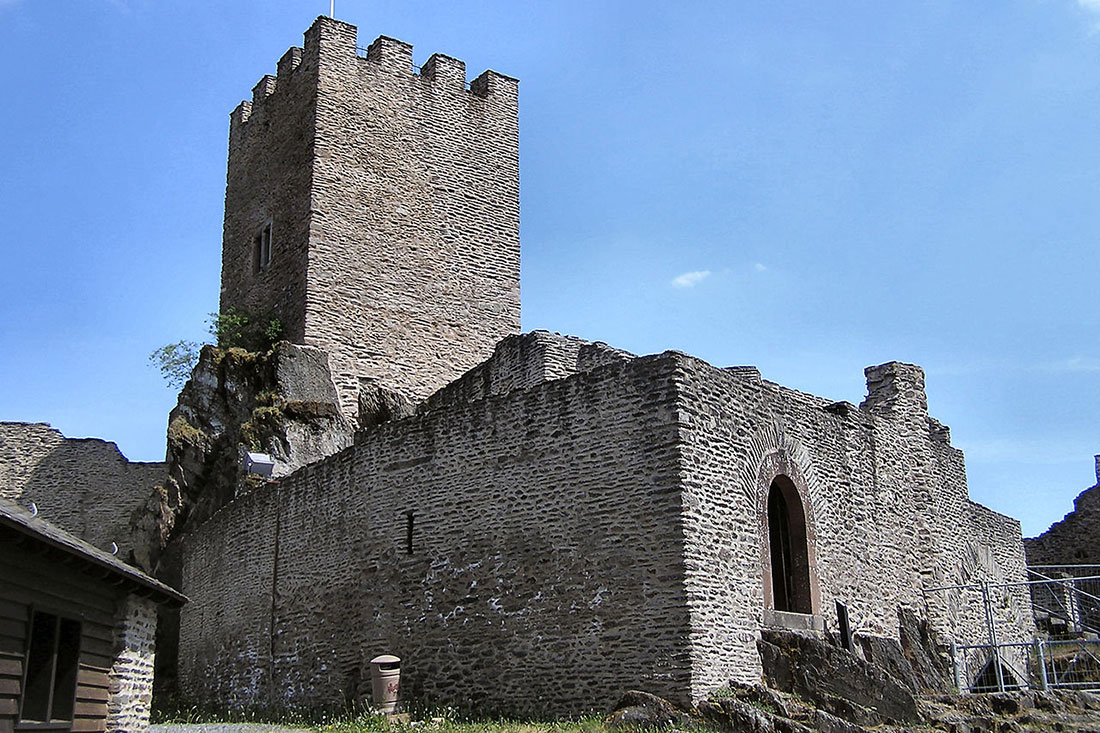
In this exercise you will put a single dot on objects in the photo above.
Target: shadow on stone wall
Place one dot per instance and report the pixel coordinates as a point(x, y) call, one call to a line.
point(83, 485)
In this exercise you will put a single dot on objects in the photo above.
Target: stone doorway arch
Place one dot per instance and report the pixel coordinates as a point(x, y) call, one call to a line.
point(789, 572)
point(788, 549)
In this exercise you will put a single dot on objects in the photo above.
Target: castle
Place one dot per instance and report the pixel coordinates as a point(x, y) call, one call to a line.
point(558, 517)
point(531, 521)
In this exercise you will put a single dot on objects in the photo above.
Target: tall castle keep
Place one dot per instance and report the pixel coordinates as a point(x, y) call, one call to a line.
point(375, 210)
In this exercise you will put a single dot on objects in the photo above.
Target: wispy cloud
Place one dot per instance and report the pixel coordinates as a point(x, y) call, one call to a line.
point(690, 279)
point(1092, 7)
point(1072, 364)
point(760, 267)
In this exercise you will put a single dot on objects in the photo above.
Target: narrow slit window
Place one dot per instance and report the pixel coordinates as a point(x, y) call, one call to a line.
point(409, 532)
point(262, 249)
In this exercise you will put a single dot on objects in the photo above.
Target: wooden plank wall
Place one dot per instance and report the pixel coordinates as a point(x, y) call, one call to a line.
point(29, 579)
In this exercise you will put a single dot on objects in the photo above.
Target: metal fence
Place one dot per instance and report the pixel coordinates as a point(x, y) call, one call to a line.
point(1066, 599)
point(1066, 603)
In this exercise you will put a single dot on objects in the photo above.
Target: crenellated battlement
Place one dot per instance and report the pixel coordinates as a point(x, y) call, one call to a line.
point(263, 89)
point(391, 55)
point(289, 62)
point(331, 46)
point(444, 70)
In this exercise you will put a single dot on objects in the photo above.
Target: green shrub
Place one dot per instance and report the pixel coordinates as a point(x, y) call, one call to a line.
point(234, 329)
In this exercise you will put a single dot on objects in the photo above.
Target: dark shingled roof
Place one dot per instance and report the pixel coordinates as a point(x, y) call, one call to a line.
point(16, 519)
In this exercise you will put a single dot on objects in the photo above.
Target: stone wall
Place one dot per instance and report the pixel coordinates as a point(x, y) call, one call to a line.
point(994, 552)
point(521, 553)
point(529, 538)
point(83, 485)
point(742, 432)
point(1076, 539)
point(130, 690)
point(393, 204)
point(522, 361)
point(884, 496)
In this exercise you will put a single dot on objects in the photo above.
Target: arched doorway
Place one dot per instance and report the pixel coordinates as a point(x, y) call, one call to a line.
point(788, 549)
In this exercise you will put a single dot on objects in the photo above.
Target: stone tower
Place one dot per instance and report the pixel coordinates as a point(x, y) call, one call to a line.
point(375, 210)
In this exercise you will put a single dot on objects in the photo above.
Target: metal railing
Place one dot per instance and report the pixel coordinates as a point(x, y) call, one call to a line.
point(1066, 604)
point(992, 667)
point(1068, 664)
point(1066, 598)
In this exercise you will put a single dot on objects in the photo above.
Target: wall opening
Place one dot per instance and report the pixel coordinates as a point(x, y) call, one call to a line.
point(261, 249)
point(986, 681)
point(52, 657)
point(789, 552)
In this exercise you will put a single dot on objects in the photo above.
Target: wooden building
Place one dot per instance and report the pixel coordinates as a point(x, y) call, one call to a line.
point(77, 628)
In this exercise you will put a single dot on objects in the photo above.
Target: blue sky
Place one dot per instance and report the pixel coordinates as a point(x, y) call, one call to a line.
point(807, 187)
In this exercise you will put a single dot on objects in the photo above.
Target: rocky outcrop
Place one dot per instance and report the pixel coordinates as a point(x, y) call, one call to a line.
point(757, 709)
point(834, 679)
point(282, 403)
point(812, 684)
point(378, 404)
point(918, 660)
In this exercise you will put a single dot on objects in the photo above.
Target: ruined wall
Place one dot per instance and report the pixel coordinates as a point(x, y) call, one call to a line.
point(743, 431)
point(393, 199)
point(545, 573)
point(885, 502)
point(522, 361)
point(83, 485)
point(1076, 539)
point(994, 551)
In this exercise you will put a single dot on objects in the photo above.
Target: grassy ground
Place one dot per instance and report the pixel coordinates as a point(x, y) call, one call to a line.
point(378, 724)
point(445, 722)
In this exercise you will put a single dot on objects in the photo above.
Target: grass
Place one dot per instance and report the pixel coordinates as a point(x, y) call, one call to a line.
point(444, 721)
point(369, 723)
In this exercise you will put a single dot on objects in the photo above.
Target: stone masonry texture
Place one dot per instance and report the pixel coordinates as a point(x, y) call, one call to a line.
point(581, 526)
point(130, 691)
point(1076, 539)
point(544, 575)
point(392, 199)
point(881, 489)
point(83, 485)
